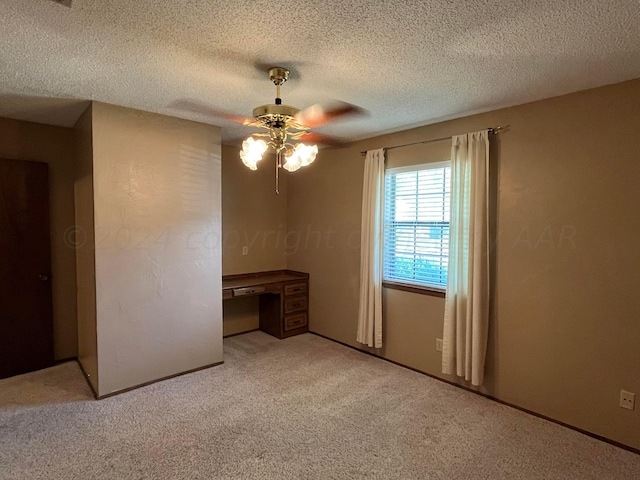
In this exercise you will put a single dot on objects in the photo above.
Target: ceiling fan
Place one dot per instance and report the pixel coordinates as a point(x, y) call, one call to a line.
point(285, 124)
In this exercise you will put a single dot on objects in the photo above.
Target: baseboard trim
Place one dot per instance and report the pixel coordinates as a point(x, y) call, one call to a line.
point(125, 390)
point(497, 400)
point(241, 333)
point(146, 384)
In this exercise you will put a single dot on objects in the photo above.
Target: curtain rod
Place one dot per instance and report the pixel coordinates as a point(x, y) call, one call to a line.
point(492, 131)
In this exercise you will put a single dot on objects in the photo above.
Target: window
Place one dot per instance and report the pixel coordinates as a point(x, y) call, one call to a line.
point(416, 225)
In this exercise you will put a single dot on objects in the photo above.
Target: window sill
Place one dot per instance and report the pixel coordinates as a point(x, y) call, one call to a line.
point(415, 289)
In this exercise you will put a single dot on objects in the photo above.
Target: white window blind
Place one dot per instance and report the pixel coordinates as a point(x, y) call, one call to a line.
point(416, 224)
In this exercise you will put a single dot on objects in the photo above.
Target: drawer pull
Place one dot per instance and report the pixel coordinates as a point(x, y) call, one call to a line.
point(239, 292)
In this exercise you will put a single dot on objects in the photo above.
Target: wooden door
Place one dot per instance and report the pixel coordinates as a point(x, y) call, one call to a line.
point(26, 328)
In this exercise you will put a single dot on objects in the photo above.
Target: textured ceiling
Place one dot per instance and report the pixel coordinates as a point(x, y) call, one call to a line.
point(407, 63)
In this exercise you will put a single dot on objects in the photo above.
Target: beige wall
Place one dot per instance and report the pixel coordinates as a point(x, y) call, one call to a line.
point(54, 146)
point(253, 216)
point(85, 251)
point(565, 331)
point(158, 262)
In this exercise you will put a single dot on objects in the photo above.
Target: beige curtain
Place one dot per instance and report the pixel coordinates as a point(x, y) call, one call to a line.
point(370, 309)
point(466, 318)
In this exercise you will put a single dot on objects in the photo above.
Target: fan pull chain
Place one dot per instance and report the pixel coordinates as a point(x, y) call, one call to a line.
point(278, 164)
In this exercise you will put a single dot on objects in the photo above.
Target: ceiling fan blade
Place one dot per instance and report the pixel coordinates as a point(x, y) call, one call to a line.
point(314, 137)
point(203, 109)
point(317, 115)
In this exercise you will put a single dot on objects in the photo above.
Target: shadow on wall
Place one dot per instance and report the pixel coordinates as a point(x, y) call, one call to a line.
point(63, 112)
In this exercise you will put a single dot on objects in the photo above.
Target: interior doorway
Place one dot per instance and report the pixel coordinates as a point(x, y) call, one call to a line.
point(26, 326)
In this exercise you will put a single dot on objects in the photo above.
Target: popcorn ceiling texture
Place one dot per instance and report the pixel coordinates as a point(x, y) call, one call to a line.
point(408, 63)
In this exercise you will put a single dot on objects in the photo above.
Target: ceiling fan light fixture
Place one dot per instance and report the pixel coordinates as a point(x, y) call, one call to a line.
point(292, 161)
point(301, 156)
point(306, 153)
point(252, 151)
point(286, 127)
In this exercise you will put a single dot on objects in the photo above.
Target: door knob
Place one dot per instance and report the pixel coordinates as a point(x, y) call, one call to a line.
point(43, 278)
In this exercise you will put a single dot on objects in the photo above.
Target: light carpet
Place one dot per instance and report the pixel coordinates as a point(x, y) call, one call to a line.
point(300, 408)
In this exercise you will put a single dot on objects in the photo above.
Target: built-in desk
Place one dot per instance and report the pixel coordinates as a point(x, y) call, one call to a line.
point(284, 299)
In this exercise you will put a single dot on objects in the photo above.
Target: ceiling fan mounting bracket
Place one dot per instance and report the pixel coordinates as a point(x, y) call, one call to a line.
point(278, 75)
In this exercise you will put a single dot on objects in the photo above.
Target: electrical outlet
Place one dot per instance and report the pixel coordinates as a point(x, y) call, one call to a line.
point(245, 250)
point(627, 399)
point(439, 344)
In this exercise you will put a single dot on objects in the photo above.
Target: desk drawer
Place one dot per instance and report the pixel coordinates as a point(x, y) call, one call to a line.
point(295, 289)
point(295, 304)
point(292, 322)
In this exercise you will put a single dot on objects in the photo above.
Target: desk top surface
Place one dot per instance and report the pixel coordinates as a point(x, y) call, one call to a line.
point(261, 278)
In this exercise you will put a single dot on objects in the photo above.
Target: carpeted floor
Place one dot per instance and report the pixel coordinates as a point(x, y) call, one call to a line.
point(301, 408)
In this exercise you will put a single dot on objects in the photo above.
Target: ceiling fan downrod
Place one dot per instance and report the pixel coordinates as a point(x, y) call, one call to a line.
point(278, 76)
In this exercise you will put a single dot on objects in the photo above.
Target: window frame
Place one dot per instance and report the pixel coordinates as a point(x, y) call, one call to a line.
point(422, 289)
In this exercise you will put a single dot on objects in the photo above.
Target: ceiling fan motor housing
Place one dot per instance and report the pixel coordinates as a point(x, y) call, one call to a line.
point(275, 112)
point(277, 115)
